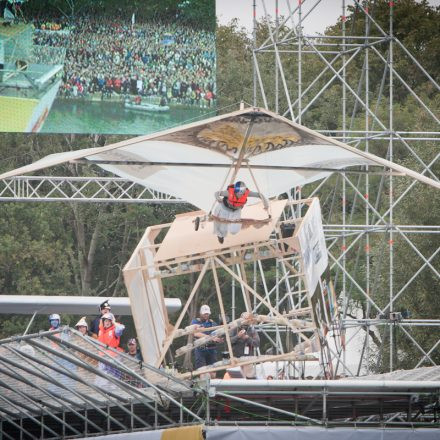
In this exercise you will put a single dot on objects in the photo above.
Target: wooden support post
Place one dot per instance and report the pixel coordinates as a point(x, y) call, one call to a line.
point(244, 284)
point(170, 338)
point(146, 280)
point(222, 311)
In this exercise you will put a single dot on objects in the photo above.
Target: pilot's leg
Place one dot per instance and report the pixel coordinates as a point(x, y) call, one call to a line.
point(220, 228)
point(234, 228)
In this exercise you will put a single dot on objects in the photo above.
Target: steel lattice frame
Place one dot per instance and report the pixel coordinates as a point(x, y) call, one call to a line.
point(58, 384)
point(336, 52)
point(349, 235)
point(79, 189)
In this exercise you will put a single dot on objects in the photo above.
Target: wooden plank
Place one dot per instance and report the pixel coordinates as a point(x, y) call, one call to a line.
point(182, 240)
point(254, 360)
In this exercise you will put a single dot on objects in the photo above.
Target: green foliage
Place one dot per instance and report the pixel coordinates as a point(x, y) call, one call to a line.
point(65, 248)
point(234, 66)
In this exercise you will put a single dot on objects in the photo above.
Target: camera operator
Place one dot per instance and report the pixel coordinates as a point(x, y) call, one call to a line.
point(244, 342)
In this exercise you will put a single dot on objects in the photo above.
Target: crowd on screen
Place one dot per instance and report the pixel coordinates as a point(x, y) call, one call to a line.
point(107, 59)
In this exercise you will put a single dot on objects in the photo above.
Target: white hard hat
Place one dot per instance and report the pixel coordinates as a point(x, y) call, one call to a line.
point(108, 315)
point(82, 323)
point(54, 316)
point(205, 309)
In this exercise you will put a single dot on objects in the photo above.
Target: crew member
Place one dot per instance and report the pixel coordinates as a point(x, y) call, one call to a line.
point(82, 326)
point(94, 327)
point(110, 331)
point(54, 321)
point(133, 349)
point(244, 341)
point(207, 354)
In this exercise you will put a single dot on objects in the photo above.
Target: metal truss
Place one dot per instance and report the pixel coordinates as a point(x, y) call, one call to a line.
point(79, 189)
point(359, 213)
point(359, 403)
point(59, 384)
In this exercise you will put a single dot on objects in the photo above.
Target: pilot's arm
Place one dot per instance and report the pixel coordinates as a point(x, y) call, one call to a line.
point(219, 195)
point(260, 196)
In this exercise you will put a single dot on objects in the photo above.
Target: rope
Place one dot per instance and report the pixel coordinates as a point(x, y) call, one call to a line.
point(256, 185)
point(243, 149)
point(221, 187)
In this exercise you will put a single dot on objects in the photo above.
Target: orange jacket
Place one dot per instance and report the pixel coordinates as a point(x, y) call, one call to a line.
point(234, 201)
point(108, 336)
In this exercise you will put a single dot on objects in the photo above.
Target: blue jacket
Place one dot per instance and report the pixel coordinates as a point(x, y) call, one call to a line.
point(206, 324)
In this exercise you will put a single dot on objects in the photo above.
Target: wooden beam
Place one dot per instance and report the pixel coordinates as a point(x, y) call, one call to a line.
point(222, 311)
point(252, 360)
point(170, 338)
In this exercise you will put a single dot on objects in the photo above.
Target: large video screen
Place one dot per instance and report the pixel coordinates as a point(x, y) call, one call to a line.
point(105, 66)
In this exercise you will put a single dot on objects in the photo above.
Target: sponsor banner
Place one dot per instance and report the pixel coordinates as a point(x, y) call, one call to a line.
point(279, 433)
point(312, 433)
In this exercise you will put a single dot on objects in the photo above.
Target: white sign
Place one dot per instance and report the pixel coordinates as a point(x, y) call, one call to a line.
point(312, 244)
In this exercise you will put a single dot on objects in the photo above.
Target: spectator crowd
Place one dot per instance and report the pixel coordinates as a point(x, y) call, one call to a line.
point(106, 58)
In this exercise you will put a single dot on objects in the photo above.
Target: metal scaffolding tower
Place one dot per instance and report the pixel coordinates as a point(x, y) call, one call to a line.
point(61, 384)
point(365, 238)
point(355, 80)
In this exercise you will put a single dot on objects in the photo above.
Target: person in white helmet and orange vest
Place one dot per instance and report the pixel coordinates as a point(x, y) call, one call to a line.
point(110, 331)
point(229, 206)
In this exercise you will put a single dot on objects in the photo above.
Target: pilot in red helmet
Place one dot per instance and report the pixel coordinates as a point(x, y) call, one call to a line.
point(229, 206)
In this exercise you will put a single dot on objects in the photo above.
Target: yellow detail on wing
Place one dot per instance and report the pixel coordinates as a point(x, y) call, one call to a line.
point(228, 138)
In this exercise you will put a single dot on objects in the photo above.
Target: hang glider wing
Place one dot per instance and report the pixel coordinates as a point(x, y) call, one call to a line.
point(192, 162)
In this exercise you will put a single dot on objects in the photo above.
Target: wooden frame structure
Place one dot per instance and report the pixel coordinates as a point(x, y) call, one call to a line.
point(298, 311)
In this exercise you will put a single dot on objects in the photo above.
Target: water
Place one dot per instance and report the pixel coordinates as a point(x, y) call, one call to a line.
point(110, 117)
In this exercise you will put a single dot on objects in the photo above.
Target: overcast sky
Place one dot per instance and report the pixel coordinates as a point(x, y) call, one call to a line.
point(325, 14)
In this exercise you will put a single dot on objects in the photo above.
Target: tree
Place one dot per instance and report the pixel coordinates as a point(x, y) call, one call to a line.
point(234, 65)
point(65, 248)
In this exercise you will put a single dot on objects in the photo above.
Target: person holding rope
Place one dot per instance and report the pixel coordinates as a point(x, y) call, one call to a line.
point(228, 207)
